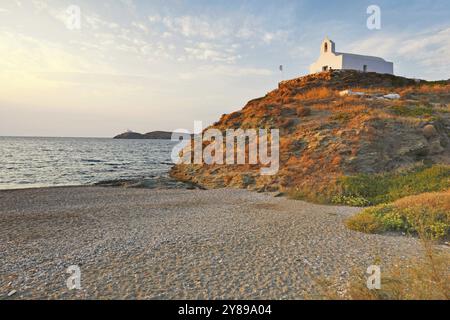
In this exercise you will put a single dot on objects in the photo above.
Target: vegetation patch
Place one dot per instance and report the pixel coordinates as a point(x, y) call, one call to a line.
point(342, 117)
point(354, 201)
point(427, 214)
point(318, 93)
point(364, 189)
point(422, 278)
point(412, 111)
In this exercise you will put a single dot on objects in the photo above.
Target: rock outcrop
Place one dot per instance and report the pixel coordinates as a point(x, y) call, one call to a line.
point(154, 135)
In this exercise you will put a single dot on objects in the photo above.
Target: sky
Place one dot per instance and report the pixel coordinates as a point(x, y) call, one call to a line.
point(161, 65)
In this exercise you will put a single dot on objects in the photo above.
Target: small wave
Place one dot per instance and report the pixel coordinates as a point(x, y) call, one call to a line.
point(92, 160)
point(155, 182)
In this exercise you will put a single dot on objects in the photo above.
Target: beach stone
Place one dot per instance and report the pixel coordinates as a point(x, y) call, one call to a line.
point(11, 293)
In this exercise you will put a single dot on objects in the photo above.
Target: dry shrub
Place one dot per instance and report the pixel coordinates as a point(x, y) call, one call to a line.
point(433, 89)
point(364, 222)
point(314, 191)
point(351, 99)
point(316, 94)
point(346, 114)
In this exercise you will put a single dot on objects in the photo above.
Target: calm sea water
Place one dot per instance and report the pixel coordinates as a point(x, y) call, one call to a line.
point(43, 162)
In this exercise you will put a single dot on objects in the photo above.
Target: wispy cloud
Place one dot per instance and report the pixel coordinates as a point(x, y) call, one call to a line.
point(189, 26)
point(225, 71)
point(205, 51)
point(428, 50)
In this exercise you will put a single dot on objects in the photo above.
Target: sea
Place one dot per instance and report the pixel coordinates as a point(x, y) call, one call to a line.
point(28, 162)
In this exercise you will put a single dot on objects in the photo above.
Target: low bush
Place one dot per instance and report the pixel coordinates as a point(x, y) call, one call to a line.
point(382, 188)
point(365, 222)
point(353, 201)
point(427, 214)
point(316, 94)
point(412, 111)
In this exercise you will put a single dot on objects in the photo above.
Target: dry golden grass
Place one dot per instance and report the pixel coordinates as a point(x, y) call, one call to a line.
point(319, 93)
point(427, 214)
point(425, 89)
point(365, 222)
point(423, 278)
point(433, 89)
point(352, 113)
point(429, 201)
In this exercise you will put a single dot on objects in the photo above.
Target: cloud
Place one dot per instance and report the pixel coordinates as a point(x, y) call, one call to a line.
point(226, 29)
point(40, 5)
point(97, 79)
point(205, 51)
point(154, 18)
point(140, 26)
point(27, 54)
point(225, 70)
point(269, 37)
point(432, 48)
point(129, 4)
point(96, 22)
point(192, 26)
point(427, 51)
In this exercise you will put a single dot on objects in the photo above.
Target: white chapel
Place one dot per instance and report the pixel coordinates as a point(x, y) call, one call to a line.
point(330, 59)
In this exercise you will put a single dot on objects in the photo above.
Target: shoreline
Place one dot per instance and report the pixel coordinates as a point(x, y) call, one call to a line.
point(178, 244)
point(162, 181)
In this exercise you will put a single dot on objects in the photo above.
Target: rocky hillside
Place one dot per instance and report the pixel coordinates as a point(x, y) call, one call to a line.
point(383, 123)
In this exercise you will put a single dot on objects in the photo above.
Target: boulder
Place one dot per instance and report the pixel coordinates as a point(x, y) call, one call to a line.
point(392, 96)
point(429, 131)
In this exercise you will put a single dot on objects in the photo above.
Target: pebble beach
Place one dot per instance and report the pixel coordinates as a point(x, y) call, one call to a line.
point(178, 244)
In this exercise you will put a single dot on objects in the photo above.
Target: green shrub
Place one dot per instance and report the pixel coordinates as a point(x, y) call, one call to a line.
point(427, 214)
point(388, 187)
point(350, 201)
point(341, 117)
point(365, 222)
point(412, 111)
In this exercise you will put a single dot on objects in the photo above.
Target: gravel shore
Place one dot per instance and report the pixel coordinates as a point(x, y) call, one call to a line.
point(178, 244)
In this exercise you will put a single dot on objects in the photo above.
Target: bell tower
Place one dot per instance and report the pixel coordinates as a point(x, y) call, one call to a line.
point(328, 46)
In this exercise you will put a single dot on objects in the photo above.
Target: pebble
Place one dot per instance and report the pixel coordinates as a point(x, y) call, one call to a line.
point(11, 293)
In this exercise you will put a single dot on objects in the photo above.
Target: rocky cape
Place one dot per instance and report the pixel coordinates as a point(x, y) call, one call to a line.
point(154, 135)
point(327, 132)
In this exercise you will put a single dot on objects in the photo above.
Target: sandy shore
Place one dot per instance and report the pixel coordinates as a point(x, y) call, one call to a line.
point(187, 244)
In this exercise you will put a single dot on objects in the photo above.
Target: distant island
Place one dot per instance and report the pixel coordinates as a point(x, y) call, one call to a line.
point(154, 135)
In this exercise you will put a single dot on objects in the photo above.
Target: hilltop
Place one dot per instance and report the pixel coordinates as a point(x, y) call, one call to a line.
point(383, 124)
